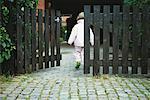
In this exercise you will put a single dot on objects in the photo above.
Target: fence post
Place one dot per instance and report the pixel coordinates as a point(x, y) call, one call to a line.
point(116, 21)
point(40, 41)
point(0, 25)
point(96, 40)
point(145, 38)
point(86, 40)
point(19, 62)
point(58, 24)
point(33, 38)
point(125, 44)
point(47, 38)
point(135, 39)
point(27, 38)
point(106, 39)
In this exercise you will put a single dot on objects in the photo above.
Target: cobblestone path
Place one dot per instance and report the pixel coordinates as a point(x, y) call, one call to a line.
point(66, 83)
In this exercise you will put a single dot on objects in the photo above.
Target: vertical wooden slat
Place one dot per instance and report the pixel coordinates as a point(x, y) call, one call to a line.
point(52, 37)
point(145, 37)
point(135, 39)
point(86, 40)
point(106, 39)
point(26, 37)
point(58, 24)
point(116, 21)
point(19, 62)
point(33, 37)
point(96, 39)
point(0, 25)
point(149, 44)
point(125, 44)
point(47, 38)
point(40, 32)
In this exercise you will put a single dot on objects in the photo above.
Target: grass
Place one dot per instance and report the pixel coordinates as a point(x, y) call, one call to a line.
point(4, 79)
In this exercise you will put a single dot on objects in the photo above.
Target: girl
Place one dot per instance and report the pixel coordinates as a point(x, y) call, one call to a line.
point(77, 37)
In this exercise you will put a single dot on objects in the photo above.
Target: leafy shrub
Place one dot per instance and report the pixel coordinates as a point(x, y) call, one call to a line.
point(5, 45)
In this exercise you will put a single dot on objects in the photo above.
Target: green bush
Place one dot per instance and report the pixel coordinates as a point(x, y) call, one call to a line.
point(5, 45)
point(138, 3)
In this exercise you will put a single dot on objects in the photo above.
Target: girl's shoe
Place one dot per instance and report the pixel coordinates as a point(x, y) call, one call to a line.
point(77, 65)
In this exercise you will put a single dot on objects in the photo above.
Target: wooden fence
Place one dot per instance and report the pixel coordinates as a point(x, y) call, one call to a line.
point(37, 40)
point(121, 39)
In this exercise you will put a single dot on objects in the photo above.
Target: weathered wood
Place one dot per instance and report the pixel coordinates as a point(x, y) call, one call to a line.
point(145, 37)
point(33, 37)
point(116, 21)
point(49, 58)
point(47, 38)
point(19, 62)
point(40, 33)
point(136, 33)
point(58, 25)
point(0, 48)
point(148, 65)
point(27, 38)
point(125, 43)
point(96, 40)
point(106, 39)
point(86, 40)
point(52, 37)
point(149, 44)
point(101, 28)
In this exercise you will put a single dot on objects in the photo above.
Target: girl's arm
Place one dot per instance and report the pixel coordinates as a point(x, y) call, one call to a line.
point(72, 36)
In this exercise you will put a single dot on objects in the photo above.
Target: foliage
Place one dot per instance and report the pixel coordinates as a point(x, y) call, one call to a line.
point(5, 13)
point(28, 3)
point(5, 45)
point(138, 3)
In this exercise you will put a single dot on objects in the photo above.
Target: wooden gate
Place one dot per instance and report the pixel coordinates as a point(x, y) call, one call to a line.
point(121, 39)
point(37, 40)
point(39, 36)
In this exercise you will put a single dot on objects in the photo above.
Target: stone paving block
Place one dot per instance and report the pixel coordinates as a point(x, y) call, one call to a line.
point(83, 93)
point(11, 98)
point(74, 98)
point(46, 92)
point(52, 98)
point(44, 96)
point(34, 97)
point(3, 95)
point(2, 98)
point(112, 95)
point(125, 98)
point(122, 95)
point(92, 97)
point(20, 96)
point(113, 98)
point(27, 91)
point(17, 91)
point(20, 99)
point(83, 98)
point(102, 97)
point(90, 92)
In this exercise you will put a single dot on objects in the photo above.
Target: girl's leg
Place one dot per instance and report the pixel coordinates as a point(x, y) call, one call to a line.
point(82, 55)
point(77, 54)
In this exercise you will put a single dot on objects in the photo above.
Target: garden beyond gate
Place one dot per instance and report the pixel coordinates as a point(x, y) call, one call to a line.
point(122, 39)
